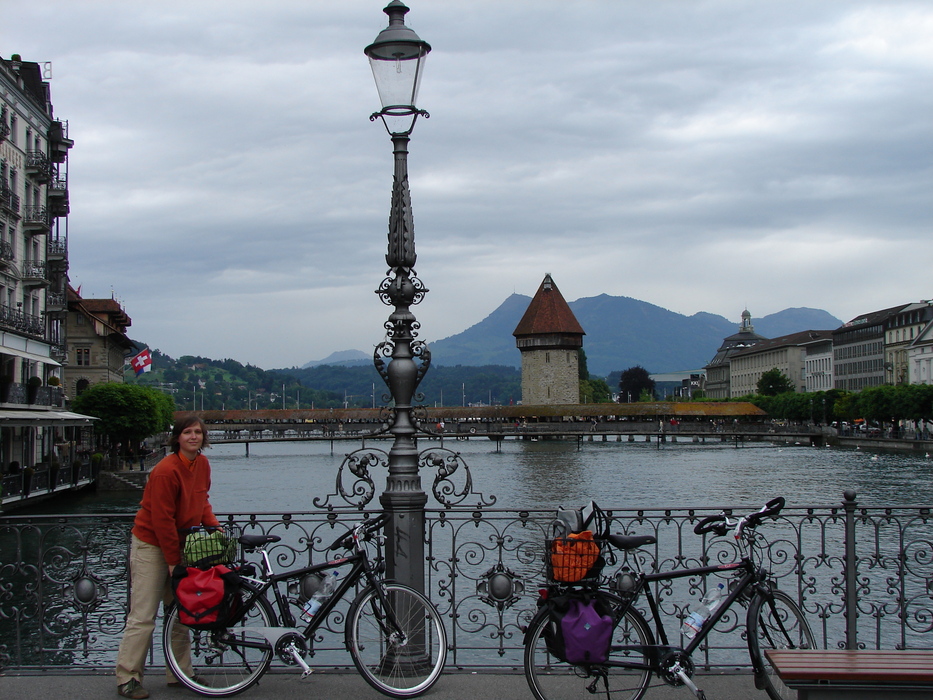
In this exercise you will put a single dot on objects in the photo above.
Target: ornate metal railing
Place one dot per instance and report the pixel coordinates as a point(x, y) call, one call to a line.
point(17, 319)
point(863, 575)
point(36, 216)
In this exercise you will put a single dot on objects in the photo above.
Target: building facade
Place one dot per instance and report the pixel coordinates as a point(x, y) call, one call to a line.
point(819, 370)
point(549, 338)
point(859, 350)
point(718, 379)
point(97, 342)
point(920, 357)
point(34, 148)
point(900, 330)
point(787, 354)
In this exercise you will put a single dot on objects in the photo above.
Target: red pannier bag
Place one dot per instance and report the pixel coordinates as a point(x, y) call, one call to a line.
point(206, 598)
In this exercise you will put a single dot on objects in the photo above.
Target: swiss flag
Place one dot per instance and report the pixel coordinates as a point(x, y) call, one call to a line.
point(142, 362)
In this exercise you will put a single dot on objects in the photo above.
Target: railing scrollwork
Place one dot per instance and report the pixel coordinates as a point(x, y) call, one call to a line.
point(356, 488)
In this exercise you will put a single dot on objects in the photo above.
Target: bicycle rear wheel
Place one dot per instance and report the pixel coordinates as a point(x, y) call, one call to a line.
point(780, 625)
point(624, 677)
point(400, 649)
point(218, 664)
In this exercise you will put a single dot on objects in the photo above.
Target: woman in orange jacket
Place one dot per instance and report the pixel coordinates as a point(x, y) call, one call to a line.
point(174, 501)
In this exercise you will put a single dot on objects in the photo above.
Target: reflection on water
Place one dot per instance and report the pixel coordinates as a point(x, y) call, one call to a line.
point(286, 477)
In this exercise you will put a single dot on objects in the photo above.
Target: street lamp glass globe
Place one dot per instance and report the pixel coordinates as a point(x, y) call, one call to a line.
point(397, 58)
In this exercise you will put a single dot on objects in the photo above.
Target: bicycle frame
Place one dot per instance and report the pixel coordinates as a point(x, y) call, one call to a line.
point(751, 577)
point(361, 568)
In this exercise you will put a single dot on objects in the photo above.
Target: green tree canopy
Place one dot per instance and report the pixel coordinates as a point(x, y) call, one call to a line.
point(634, 383)
point(773, 382)
point(595, 391)
point(126, 413)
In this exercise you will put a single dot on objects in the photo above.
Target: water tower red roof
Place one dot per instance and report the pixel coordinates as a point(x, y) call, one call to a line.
point(548, 313)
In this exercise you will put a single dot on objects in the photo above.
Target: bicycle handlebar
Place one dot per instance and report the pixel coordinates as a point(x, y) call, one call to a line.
point(771, 508)
point(719, 524)
point(712, 523)
point(362, 530)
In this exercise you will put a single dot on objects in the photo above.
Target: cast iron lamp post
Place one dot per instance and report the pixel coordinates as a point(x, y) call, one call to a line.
point(397, 58)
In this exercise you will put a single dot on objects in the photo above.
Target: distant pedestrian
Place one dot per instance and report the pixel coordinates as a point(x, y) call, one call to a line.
point(174, 501)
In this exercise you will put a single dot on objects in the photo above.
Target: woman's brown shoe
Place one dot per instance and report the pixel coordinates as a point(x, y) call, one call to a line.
point(132, 689)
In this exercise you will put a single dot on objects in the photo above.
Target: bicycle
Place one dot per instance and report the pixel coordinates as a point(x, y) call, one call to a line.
point(636, 652)
point(394, 634)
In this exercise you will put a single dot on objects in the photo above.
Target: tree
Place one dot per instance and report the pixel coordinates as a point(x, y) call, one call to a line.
point(595, 391)
point(126, 413)
point(773, 382)
point(582, 369)
point(633, 383)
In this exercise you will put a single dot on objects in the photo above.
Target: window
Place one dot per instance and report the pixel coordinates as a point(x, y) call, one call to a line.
point(83, 357)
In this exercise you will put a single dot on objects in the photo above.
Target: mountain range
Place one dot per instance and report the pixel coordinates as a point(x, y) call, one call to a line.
point(621, 332)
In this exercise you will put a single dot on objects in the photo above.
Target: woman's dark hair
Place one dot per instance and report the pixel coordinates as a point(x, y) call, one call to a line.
point(179, 428)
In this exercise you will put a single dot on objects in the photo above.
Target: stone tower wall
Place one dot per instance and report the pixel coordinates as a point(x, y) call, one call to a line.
point(550, 376)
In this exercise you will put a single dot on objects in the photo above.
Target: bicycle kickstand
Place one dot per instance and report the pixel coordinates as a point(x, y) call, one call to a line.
point(680, 673)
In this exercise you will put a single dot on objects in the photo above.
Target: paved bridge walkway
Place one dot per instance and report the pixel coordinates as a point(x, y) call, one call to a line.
point(494, 685)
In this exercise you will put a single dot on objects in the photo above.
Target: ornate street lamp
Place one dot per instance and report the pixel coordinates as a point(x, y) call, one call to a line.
point(397, 58)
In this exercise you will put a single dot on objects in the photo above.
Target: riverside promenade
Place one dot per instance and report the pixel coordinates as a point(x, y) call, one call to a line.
point(349, 685)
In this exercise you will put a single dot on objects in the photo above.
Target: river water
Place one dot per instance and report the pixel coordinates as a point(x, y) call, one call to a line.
point(286, 477)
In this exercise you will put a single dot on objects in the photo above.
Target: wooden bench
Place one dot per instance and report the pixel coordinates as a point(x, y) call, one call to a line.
point(855, 675)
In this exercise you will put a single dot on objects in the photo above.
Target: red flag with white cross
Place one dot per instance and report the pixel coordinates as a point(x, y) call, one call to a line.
point(142, 362)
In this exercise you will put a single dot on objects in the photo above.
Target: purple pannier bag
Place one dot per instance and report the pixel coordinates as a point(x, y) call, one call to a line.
point(587, 633)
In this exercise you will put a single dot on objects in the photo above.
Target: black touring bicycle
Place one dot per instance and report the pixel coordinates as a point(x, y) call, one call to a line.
point(631, 651)
point(393, 633)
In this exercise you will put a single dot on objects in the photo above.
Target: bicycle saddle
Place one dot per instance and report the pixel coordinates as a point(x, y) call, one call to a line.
point(631, 541)
point(251, 541)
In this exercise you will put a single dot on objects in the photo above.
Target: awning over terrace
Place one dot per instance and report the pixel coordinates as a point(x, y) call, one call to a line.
point(35, 419)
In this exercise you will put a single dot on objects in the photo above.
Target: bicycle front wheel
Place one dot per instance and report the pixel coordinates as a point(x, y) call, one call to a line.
point(399, 648)
point(625, 676)
point(775, 622)
point(221, 663)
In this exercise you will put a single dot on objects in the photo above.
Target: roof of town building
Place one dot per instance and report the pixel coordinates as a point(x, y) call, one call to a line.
point(793, 339)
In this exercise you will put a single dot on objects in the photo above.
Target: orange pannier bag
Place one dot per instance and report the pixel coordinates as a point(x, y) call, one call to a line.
point(573, 556)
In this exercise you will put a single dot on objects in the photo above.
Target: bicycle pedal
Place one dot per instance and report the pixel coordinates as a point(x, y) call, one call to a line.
point(305, 674)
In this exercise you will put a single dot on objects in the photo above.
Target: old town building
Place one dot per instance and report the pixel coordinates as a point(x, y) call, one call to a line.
point(34, 148)
point(787, 354)
point(900, 330)
point(718, 381)
point(97, 342)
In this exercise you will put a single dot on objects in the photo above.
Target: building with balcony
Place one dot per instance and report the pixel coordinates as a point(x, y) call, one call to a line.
point(97, 342)
point(34, 146)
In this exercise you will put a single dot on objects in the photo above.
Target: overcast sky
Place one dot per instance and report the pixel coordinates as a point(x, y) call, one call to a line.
point(229, 189)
